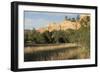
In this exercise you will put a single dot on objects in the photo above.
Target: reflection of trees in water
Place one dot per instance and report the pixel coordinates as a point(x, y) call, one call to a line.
point(61, 54)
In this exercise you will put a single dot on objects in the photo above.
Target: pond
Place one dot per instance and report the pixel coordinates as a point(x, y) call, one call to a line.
point(47, 52)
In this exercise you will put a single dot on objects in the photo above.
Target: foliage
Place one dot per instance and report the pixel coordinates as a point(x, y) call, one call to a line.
point(46, 37)
point(82, 35)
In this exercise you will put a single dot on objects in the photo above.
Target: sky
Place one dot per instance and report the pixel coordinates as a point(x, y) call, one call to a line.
point(34, 19)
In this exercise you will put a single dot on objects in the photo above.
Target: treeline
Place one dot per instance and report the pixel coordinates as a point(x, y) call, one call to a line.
point(46, 37)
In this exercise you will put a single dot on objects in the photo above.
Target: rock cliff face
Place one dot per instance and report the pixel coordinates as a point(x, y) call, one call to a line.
point(64, 25)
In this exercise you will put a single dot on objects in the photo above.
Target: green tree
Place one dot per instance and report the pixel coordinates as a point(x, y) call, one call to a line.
point(47, 35)
point(60, 37)
point(66, 17)
point(73, 20)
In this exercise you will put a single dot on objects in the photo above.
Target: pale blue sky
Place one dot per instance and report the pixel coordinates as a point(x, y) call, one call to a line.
point(41, 19)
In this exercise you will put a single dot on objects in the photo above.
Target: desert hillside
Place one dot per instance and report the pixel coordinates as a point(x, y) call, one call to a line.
point(64, 25)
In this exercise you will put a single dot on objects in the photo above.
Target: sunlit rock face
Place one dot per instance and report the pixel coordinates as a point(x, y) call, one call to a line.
point(64, 25)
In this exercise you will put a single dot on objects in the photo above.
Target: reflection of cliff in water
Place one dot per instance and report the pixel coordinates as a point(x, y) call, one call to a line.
point(58, 52)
